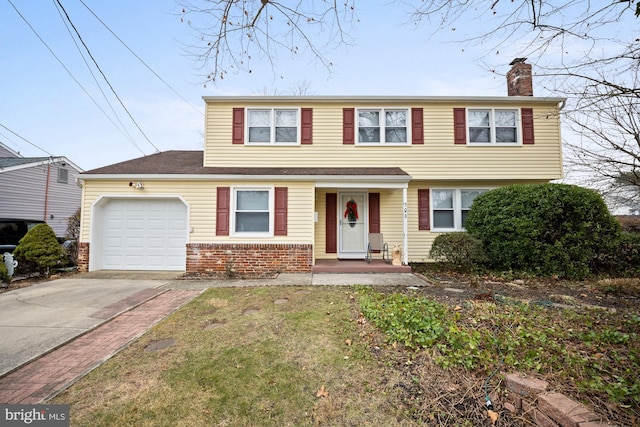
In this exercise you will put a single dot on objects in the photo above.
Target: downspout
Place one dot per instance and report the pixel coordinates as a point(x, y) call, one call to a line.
point(46, 192)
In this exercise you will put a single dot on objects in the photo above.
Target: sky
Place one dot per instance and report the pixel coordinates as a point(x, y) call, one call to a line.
point(60, 110)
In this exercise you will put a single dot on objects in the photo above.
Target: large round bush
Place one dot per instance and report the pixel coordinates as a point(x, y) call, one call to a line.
point(543, 229)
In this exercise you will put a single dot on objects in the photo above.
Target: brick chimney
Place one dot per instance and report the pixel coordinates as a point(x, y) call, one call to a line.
point(519, 81)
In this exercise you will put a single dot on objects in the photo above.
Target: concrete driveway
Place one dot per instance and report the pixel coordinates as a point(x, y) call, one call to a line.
point(41, 317)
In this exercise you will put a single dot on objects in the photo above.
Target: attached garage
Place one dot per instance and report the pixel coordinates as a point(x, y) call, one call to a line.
point(139, 234)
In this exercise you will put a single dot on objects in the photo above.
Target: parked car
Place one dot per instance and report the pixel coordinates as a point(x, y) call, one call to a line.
point(12, 230)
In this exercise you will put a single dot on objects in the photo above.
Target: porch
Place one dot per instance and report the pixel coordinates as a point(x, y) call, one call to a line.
point(357, 266)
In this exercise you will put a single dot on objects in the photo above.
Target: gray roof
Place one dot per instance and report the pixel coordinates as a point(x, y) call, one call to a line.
point(7, 162)
point(191, 163)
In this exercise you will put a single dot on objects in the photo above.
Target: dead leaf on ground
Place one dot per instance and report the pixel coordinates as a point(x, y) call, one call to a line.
point(322, 392)
point(347, 342)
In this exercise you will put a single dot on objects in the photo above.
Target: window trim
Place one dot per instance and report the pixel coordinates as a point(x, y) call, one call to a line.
point(233, 212)
point(492, 127)
point(457, 207)
point(383, 142)
point(272, 126)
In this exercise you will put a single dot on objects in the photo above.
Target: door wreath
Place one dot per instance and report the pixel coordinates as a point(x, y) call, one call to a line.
point(352, 212)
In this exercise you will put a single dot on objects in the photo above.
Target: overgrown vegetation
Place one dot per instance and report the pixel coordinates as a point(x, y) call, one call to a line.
point(548, 230)
point(336, 356)
point(73, 236)
point(39, 250)
point(597, 349)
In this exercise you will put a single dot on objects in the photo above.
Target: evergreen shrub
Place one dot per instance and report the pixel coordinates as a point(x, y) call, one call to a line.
point(458, 250)
point(39, 250)
point(543, 229)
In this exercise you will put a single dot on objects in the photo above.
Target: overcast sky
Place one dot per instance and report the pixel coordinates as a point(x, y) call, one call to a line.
point(41, 101)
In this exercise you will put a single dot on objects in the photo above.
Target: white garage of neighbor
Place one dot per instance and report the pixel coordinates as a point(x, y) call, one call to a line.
point(139, 234)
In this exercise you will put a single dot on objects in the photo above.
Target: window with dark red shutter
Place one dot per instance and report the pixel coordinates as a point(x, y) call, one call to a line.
point(280, 226)
point(223, 199)
point(423, 210)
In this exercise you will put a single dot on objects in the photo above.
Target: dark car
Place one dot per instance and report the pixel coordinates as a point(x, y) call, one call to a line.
point(12, 230)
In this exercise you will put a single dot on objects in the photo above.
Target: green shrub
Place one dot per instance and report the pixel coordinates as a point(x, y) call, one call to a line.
point(621, 258)
point(458, 250)
point(73, 235)
point(543, 229)
point(39, 249)
point(4, 274)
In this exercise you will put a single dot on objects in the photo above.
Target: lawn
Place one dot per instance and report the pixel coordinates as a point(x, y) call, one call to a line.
point(340, 356)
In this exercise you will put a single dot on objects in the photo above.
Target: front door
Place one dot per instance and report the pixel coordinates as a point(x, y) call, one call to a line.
point(352, 225)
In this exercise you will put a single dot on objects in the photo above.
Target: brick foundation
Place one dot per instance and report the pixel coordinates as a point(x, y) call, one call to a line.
point(248, 259)
point(83, 257)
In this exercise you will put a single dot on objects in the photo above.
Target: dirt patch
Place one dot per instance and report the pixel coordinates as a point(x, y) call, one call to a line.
point(455, 288)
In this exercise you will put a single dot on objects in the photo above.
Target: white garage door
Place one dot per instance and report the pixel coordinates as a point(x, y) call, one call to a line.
point(144, 235)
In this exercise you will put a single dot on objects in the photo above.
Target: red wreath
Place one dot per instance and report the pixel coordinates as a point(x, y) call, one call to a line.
point(352, 210)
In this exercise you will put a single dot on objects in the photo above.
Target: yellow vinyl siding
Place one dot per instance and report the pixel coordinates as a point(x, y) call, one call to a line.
point(437, 158)
point(200, 197)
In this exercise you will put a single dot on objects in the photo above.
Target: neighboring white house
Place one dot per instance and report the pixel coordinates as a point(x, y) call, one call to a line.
point(38, 188)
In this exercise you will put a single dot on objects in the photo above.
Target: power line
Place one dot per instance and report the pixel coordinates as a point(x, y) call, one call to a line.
point(123, 128)
point(25, 139)
point(105, 77)
point(68, 72)
point(140, 59)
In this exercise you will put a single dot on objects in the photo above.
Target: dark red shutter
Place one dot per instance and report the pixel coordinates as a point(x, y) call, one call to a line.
point(280, 227)
point(527, 126)
point(459, 126)
point(237, 136)
point(331, 237)
point(374, 212)
point(417, 126)
point(348, 125)
point(222, 211)
point(307, 125)
point(423, 210)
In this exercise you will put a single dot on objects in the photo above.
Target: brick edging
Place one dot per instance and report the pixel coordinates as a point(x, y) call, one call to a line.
point(528, 396)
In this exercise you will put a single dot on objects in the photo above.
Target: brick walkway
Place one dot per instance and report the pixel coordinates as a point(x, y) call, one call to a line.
point(46, 376)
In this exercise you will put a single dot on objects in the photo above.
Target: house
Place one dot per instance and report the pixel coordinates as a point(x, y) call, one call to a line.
point(286, 183)
point(39, 188)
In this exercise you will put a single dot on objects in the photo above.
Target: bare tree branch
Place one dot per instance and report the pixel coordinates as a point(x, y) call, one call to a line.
point(234, 32)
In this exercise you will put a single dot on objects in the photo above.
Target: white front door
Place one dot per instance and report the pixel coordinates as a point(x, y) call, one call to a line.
point(352, 225)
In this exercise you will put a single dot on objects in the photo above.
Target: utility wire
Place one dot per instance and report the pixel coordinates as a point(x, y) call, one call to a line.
point(25, 139)
point(105, 77)
point(122, 127)
point(68, 72)
point(141, 60)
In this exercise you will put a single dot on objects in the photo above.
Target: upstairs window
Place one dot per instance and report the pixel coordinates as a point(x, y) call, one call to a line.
point(383, 126)
point(273, 126)
point(493, 126)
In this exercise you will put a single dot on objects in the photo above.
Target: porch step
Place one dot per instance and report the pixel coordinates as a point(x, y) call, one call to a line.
point(357, 266)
